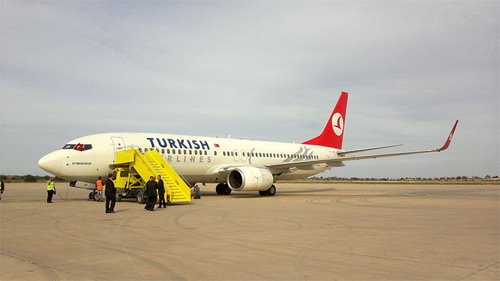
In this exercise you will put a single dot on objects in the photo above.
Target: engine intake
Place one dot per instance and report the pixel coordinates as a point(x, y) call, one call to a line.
point(250, 178)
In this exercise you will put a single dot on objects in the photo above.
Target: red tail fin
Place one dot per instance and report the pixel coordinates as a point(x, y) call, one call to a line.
point(333, 133)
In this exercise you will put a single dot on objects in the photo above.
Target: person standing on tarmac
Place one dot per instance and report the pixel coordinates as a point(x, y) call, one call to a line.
point(161, 193)
point(151, 192)
point(51, 189)
point(2, 187)
point(110, 195)
point(99, 187)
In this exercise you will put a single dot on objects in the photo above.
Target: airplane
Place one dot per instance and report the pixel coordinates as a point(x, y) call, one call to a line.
point(234, 164)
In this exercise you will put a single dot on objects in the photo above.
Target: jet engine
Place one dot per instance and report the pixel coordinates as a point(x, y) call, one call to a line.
point(250, 178)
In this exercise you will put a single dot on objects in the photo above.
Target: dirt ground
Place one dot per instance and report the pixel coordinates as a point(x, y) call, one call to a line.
point(306, 232)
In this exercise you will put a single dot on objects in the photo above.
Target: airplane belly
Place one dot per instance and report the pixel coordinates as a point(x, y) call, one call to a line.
point(294, 173)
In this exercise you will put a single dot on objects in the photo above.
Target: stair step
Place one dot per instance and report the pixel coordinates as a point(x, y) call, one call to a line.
point(151, 163)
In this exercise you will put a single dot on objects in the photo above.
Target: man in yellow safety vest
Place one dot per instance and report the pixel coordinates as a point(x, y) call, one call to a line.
point(51, 189)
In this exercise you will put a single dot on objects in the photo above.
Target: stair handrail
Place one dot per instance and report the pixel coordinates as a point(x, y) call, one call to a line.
point(180, 175)
point(173, 168)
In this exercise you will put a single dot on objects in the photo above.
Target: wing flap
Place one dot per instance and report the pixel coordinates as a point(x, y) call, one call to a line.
point(341, 153)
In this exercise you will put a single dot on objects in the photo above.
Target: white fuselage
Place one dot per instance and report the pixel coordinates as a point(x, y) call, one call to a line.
point(198, 159)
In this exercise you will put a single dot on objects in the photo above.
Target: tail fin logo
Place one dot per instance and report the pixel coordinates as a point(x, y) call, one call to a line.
point(338, 124)
point(333, 132)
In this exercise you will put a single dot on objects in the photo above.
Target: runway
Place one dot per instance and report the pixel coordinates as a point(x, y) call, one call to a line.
point(306, 232)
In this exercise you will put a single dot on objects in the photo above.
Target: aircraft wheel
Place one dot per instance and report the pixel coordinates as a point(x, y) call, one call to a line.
point(227, 190)
point(96, 196)
point(263, 193)
point(91, 195)
point(140, 197)
point(271, 191)
point(220, 189)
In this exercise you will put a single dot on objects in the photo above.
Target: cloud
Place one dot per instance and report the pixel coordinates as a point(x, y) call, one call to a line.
point(259, 70)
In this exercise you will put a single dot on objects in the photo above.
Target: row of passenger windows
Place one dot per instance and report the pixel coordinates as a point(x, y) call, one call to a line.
point(83, 147)
point(269, 155)
point(178, 151)
point(231, 153)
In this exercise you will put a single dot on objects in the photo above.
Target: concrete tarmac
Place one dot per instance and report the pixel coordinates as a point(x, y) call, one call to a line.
point(306, 232)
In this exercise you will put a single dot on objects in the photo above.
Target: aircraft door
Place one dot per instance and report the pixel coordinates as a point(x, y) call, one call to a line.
point(118, 143)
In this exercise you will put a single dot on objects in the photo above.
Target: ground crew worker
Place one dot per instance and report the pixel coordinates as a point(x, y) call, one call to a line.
point(99, 188)
point(151, 192)
point(2, 187)
point(51, 189)
point(197, 192)
point(161, 193)
point(110, 195)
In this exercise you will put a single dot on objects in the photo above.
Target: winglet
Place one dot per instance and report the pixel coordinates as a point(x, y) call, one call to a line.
point(448, 141)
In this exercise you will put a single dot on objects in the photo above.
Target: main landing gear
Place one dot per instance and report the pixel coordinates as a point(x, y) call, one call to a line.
point(224, 189)
point(270, 192)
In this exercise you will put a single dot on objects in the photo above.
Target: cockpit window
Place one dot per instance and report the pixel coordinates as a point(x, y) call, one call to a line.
point(79, 147)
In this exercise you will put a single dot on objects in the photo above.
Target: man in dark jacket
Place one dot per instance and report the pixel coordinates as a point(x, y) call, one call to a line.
point(151, 192)
point(2, 187)
point(161, 193)
point(110, 195)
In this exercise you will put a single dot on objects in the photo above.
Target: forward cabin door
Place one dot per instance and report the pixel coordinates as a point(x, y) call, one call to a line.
point(118, 143)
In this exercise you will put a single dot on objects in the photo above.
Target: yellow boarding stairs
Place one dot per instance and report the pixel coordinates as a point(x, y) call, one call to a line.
point(134, 168)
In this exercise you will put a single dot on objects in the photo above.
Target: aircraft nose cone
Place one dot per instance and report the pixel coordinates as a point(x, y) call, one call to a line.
point(51, 163)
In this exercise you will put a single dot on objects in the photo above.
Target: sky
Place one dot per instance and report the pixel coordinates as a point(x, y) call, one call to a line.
point(262, 70)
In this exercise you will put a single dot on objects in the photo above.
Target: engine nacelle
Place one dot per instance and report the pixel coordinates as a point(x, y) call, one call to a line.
point(250, 178)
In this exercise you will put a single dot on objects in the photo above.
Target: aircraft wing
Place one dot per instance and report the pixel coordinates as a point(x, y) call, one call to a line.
point(336, 161)
point(342, 153)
